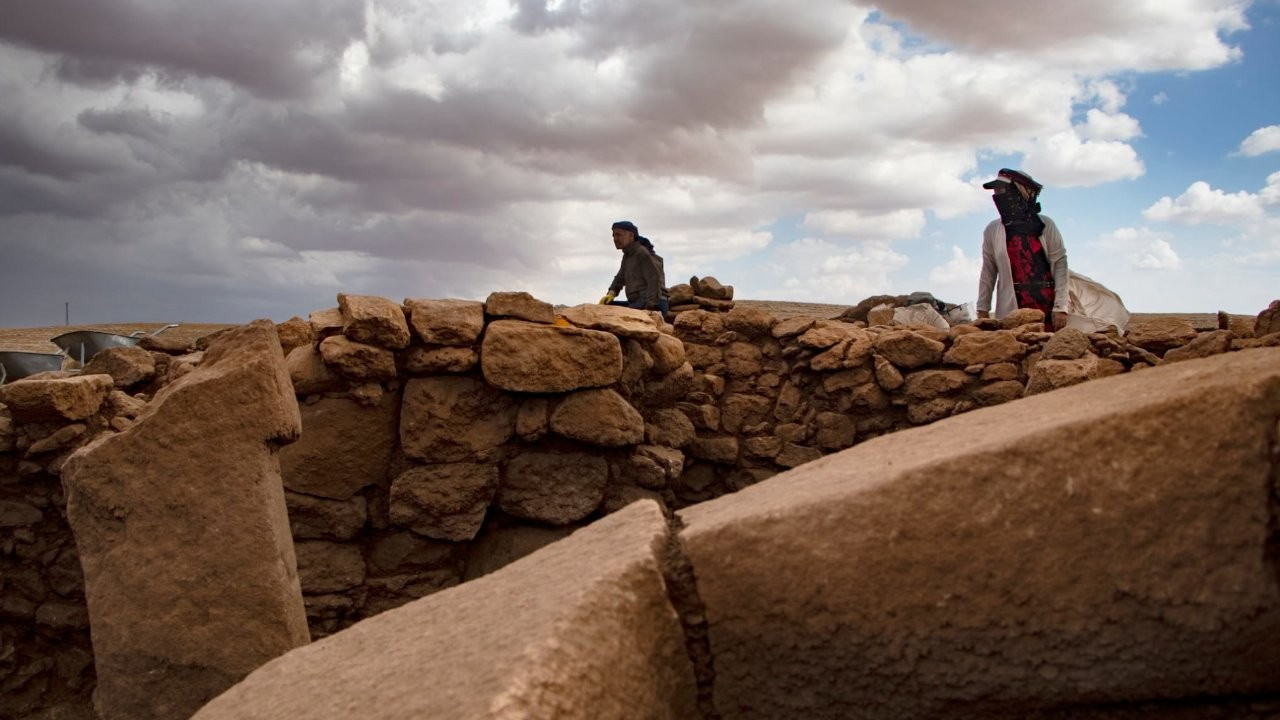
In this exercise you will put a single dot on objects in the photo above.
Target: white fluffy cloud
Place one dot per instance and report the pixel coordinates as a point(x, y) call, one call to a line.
point(1202, 204)
point(1065, 159)
point(1262, 140)
point(1141, 249)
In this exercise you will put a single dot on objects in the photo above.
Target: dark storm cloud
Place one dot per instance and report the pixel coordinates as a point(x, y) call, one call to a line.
point(274, 49)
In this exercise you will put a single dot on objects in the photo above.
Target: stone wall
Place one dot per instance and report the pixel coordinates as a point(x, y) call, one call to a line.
point(444, 438)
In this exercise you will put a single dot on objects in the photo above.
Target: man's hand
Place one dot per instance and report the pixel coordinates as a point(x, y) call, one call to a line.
point(608, 298)
point(1059, 320)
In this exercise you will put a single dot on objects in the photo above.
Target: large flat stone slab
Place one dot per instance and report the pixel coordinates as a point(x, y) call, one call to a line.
point(1094, 546)
point(579, 629)
point(183, 534)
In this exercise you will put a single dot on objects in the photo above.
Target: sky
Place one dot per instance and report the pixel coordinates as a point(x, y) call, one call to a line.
point(166, 161)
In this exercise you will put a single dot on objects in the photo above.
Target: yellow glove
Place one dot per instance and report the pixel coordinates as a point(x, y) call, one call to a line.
point(608, 298)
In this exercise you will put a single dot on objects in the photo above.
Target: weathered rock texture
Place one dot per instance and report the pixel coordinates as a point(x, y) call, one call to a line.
point(1065, 555)
point(183, 534)
point(580, 629)
point(420, 466)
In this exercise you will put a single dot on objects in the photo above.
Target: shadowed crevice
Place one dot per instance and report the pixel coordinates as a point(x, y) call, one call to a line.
point(682, 591)
point(1273, 502)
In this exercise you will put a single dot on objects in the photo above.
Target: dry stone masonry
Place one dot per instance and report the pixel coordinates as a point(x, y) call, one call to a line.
point(443, 439)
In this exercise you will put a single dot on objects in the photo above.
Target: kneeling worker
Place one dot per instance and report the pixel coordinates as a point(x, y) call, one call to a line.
point(641, 271)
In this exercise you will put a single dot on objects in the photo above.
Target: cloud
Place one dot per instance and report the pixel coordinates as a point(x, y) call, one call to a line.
point(819, 270)
point(1140, 249)
point(275, 50)
point(1100, 125)
point(1203, 204)
point(1262, 140)
point(1065, 159)
point(1088, 35)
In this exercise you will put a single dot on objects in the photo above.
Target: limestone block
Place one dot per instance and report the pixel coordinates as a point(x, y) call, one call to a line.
point(454, 419)
point(835, 431)
point(1001, 371)
point(1158, 335)
point(1022, 316)
point(703, 356)
point(446, 322)
point(579, 629)
point(314, 518)
point(669, 460)
point(127, 366)
point(985, 348)
point(527, 357)
point(555, 488)
point(532, 419)
point(668, 354)
point(373, 320)
point(743, 359)
point(19, 514)
point(751, 322)
point(669, 427)
point(446, 502)
point(293, 333)
point(766, 447)
point(433, 360)
point(888, 376)
point(722, 449)
point(72, 398)
point(345, 446)
point(997, 392)
point(636, 362)
point(709, 287)
point(167, 521)
point(794, 455)
point(520, 306)
point(1268, 321)
point(599, 417)
point(1204, 345)
point(835, 382)
point(699, 326)
point(59, 439)
point(680, 294)
point(792, 326)
point(325, 567)
point(908, 349)
point(929, 384)
point(828, 333)
point(978, 585)
point(358, 361)
point(404, 552)
point(1066, 344)
point(309, 373)
point(927, 411)
point(326, 323)
point(621, 321)
point(1053, 374)
point(738, 411)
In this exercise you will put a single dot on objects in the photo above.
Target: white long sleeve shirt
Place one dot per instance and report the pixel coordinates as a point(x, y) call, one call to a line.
point(996, 273)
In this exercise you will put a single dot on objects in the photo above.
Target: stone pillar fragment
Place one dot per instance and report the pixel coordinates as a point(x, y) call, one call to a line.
point(189, 566)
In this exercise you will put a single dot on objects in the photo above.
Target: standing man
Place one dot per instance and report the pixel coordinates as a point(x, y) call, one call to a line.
point(1023, 258)
point(641, 272)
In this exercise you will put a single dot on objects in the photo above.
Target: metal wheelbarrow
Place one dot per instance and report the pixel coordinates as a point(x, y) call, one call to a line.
point(82, 345)
point(15, 364)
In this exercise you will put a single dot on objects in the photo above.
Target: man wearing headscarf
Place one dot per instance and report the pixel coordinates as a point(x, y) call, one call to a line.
point(641, 272)
point(1023, 258)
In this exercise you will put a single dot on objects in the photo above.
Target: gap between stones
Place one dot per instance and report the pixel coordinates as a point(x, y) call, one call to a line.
point(1272, 550)
point(682, 591)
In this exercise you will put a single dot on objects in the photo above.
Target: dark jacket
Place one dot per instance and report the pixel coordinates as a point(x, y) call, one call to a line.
point(642, 275)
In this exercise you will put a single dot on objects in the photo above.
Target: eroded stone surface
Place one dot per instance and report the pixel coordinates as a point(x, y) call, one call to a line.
point(1005, 572)
point(344, 447)
point(373, 320)
point(454, 419)
point(446, 322)
point(528, 357)
point(168, 522)
point(72, 398)
point(591, 636)
point(600, 417)
point(519, 305)
point(446, 501)
point(555, 488)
